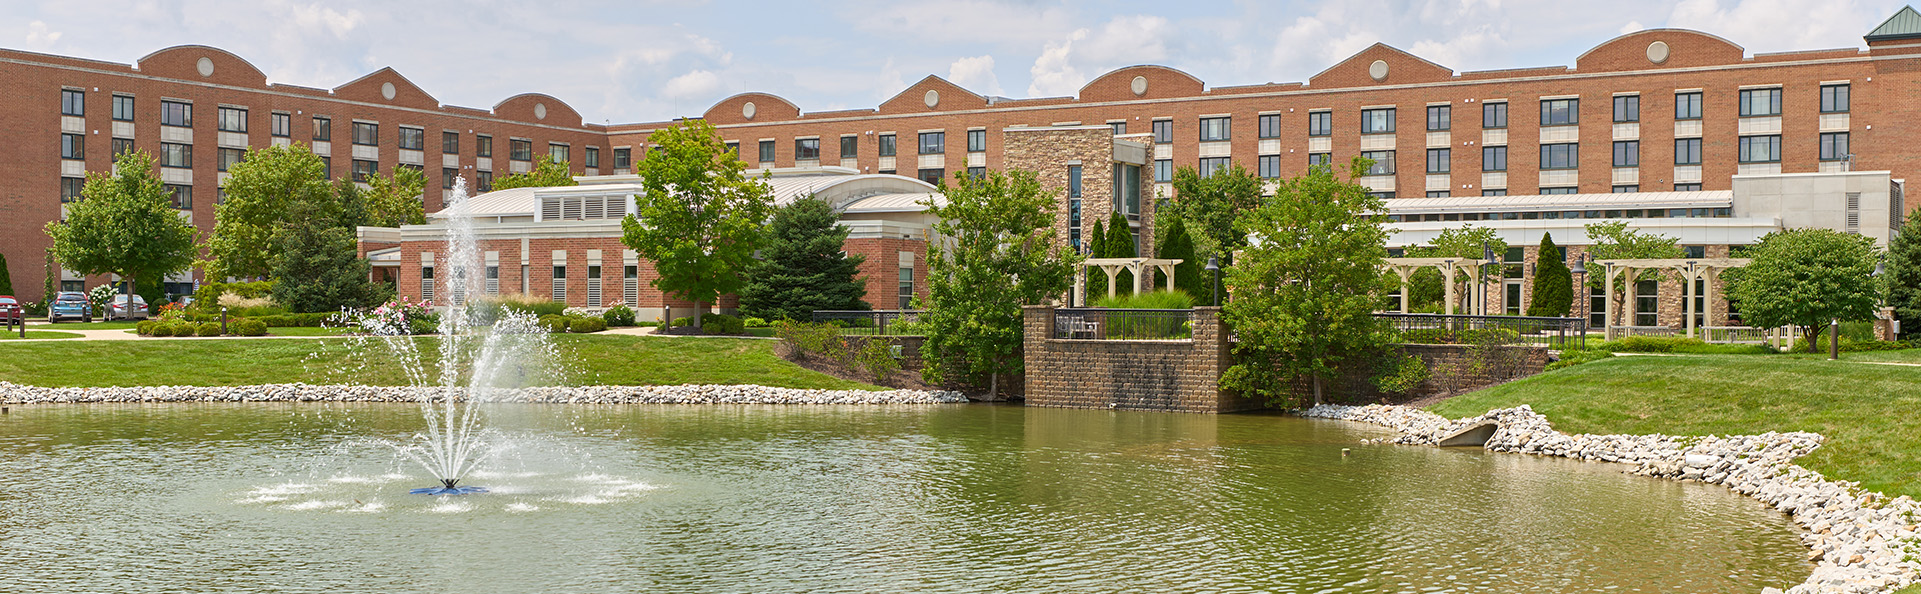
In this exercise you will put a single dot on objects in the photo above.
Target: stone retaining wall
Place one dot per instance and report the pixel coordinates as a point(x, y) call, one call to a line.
point(1452, 369)
point(1164, 375)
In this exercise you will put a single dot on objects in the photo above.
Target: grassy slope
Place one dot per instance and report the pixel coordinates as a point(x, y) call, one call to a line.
point(598, 359)
point(32, 333)
point(1866, 411)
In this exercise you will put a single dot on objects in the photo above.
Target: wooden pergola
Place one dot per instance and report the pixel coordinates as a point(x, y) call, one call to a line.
point(1451, 270)
point(1113, 268)
point(1690, 269)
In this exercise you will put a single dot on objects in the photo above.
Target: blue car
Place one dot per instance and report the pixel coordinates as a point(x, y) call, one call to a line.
point(69, 305)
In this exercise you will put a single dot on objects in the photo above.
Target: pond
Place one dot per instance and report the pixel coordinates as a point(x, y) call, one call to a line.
point(965, 498)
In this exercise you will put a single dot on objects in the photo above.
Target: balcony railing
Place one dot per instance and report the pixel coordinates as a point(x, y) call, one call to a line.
point(1553, 333)
point(877, 322)
point(1123, 324)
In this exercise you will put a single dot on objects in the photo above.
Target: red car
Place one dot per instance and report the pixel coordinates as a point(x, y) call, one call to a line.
point(10, 311)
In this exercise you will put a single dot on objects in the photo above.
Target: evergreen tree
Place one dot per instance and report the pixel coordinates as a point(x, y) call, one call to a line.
point(1553, 282)
point(1096, 248)
point(1903, 276)
point(318, 268)
point(802, 267)
point(1189, 276)
point(6, 278)
point(1121, 244)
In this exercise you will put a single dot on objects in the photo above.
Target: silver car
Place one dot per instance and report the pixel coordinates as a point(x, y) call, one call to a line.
point(118, 310)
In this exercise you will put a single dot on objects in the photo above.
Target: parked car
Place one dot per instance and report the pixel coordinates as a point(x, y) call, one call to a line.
point(69, 305)
point(10, 311)
point(118, 310)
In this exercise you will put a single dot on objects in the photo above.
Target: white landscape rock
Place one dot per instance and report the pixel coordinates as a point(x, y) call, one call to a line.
point(688, 394)
point(1861, 542)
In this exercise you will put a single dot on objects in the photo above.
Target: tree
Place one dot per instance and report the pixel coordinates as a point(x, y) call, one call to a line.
point(999, 253)
point(802, 267)
point(1176, 244)
point(1096, 283)
point(546, 174)
point(1805, 278)
point(1304, 299)
point(6, 278)
point(1466, 242)
point(1211, 204)
point(1615, 241)
point(124, 224)
point(318, 268)
point(1120, 244)
point(700, 217)
point(260, 192)
point(395, 201)
point(1903, 276)
point(1553, 282)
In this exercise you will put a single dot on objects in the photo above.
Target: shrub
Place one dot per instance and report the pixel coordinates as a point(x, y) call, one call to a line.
point(423, 324)
point(714, 323)
point(1656, 344)
point(1401, 373)
point(249, 327)
point(1175, 299)
point(554, 323)
point(145, 327)
point(877, 357)
point(233, 302)
point(181, 329)
point(208, 329)
point(35, 309)
point(678, 322)
point(1572, 357)
point(618, 315)
point(519, 303)
point(1849, 345)
point(753, 322)
point(586, 325)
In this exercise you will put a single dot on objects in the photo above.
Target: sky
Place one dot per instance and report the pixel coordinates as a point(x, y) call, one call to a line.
point(642, 61)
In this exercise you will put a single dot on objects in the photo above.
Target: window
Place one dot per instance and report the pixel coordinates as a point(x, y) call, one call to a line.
point(1210, 165)
point(1627, 108)
point(520, 150)
point(1377, 121)
point(1834, 98)
point(1560, 156)
point(1549, 191)
point(1215, 129)
point(1320, 159)
point(1320, 123)
point(1760, 102)
point(560, 153)
point(1687, 151)
point(1440, 117)
point(1626, 189)
point(559, 277)
point(176, 155)
point(73, 146)
point(623, 158)
point(413, 139)
point(1270, 125)
point(70, 188)
point(933, 176)
point(1500, 192)
point(484, 179)
point(323, 129)
point(123, 108)
point(1119, 127)
point(1383, 162)
point(1163, 170)
point(1687, 187)
point(886, 145)
point(1494, 115)
point(327, 167)
point(766, 151)
point(733, 148)
point(121, 146)
point(73, 102)
point(593, 155)
point(448, 176)
point(807, 149)
point(1494, 158)
point(449, 142)
point(906, 287)
point(1270, 166)
point(182, 196)
point(1127, 189)
point(1438, 194)
point(231, 156)
point(977, 141)
point(1439, 161)
point(366, 134)
point(977, 173)
point(849, 147)
point(1834, 146)
point(1163, 131)
point(1627, 153)
point(933, 143)
point(1560, 112)
point(175, 113)
point(362, 170)
point(483, 146)
point(1073, 181)
point(1761, 149)
point(1687, 106)
point(232, 119)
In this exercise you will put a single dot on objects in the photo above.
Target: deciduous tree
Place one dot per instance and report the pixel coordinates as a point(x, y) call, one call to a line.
point(546, 174)
point(803, 267)
point(1806, 278)
point(1616, 241)
point(700, 216)
point(1211, 203)
point(397, 200)
point(124, 224)
point(260, 192)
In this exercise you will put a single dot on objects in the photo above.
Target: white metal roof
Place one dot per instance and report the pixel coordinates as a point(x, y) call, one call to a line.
point(893, 203)
point(1627, 200)
point(839, 186)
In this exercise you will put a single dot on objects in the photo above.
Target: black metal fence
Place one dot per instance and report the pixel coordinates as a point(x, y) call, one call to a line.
point(1124, 324)
point(876, 322)
point(1555, 333)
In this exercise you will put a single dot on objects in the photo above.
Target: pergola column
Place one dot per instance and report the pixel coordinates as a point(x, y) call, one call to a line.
point(1405, 272)
point(1112, 274)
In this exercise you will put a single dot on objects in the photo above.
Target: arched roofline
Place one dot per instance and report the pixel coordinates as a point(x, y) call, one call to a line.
point(249, 63)
point(1197, 80)
point(1584, 55)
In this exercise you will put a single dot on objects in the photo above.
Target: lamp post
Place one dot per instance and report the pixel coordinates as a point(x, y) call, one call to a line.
point(223, 320)
point(1214, 266)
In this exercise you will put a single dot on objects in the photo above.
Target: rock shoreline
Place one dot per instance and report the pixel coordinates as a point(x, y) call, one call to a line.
point(1860, 542)
point(11, 393)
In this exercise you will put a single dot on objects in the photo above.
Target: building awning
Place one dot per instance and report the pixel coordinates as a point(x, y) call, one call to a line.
point(1556, 202)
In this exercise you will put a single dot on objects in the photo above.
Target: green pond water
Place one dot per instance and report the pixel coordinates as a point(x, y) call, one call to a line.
point(307, 498)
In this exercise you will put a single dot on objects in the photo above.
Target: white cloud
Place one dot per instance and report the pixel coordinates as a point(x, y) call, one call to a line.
point(692, 85)
point(976, 74)
point(1781, 25)
point(1054, 73)
point(1064, 66)
point(315, 16)
point(39, 36)
point(1631, 27)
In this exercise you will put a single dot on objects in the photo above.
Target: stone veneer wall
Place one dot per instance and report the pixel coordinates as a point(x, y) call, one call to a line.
point(1453, 369)
point(1162, 375)
point(1049, 151)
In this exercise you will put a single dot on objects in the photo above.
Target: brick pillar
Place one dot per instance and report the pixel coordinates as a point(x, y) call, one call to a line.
point(1037, 322)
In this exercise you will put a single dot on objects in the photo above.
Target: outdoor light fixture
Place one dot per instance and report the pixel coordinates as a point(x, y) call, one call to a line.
point(1214, 266)
point(1580, 265)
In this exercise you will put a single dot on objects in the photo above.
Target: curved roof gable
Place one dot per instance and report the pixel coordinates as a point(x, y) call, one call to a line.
point(1401, 68)
point(947, 97)
point(1678, 48)
point(183, 62)
point(372, 88)
point(733, 110)
point(1157, 82)
point(537, 108)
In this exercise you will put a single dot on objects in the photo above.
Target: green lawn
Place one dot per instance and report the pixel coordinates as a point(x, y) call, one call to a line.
point(120, 325)
point(589, 359)
point(33, 334)
point(1868, 412)
point(296, 331)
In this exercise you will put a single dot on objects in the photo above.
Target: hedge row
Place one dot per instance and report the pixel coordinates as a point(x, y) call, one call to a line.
point(239, 327)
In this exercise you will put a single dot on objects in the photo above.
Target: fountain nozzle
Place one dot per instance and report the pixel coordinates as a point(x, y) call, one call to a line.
point(449, 483)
